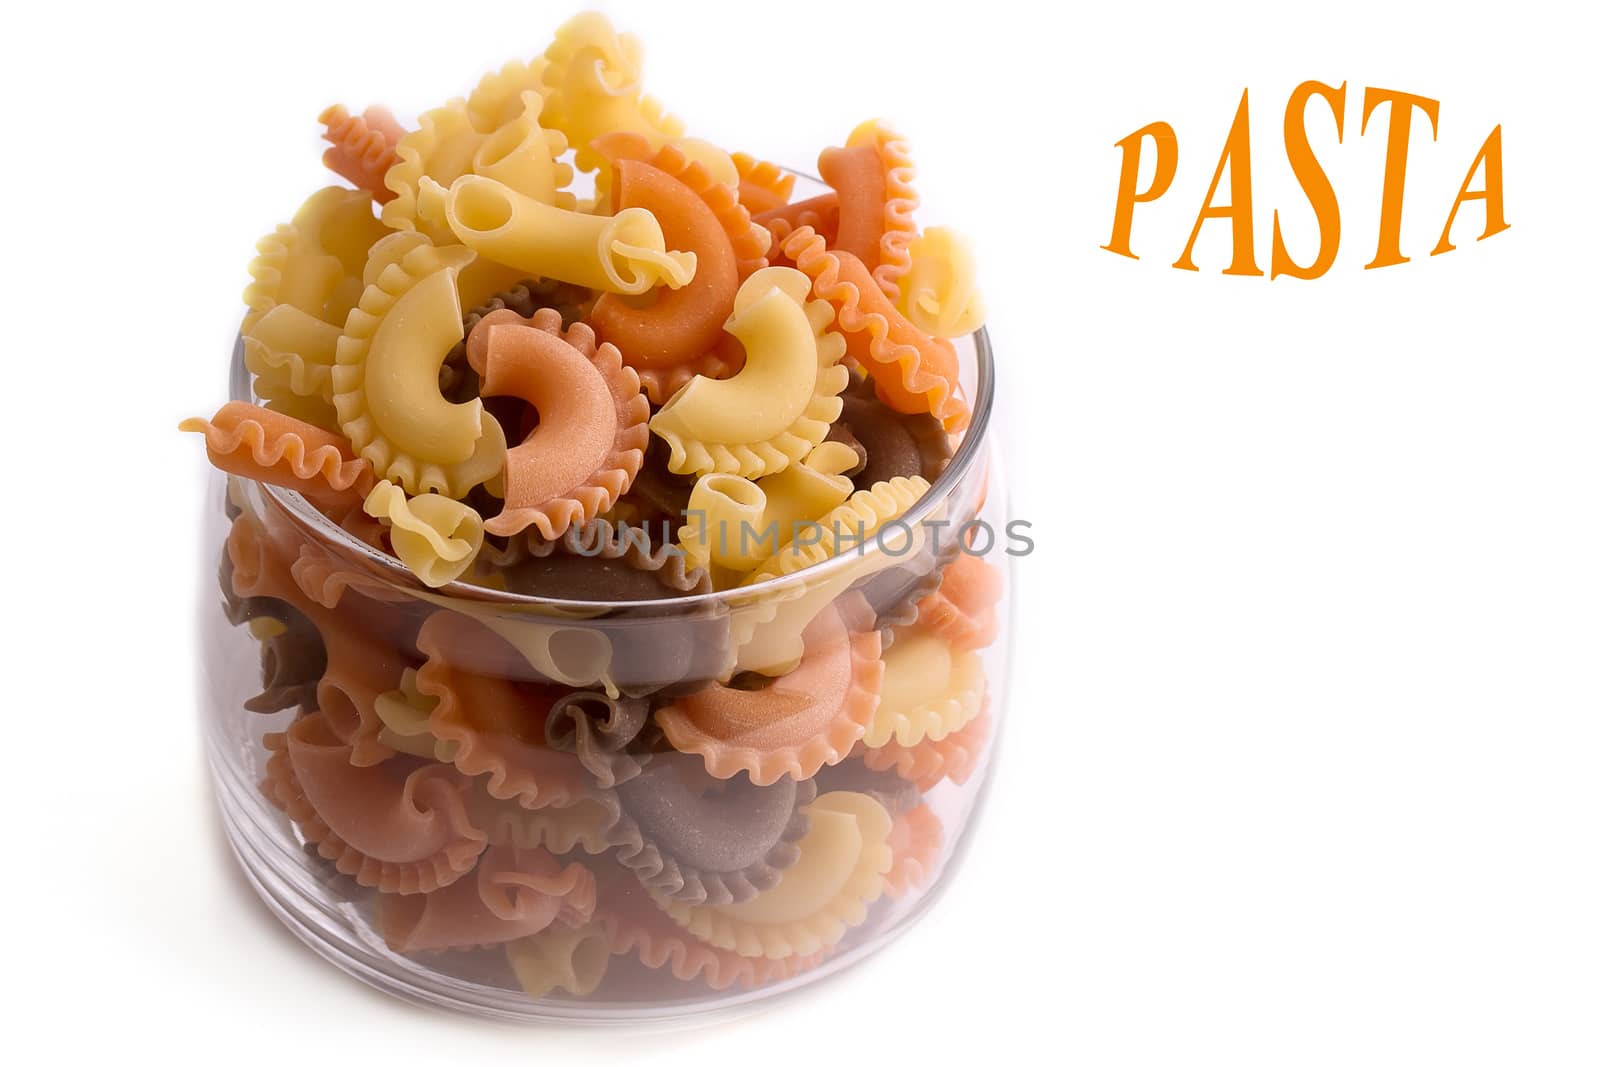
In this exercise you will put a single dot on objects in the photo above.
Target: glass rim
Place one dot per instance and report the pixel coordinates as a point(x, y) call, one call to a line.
point(312, 521)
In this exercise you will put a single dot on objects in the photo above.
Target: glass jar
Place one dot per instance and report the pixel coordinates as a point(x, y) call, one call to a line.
point(598, 809)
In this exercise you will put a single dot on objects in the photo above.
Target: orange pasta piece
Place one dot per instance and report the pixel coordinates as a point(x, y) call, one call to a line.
point(489, 724)
point(915, 839)
point(911, 371)
point(803, 720)
point(593, 420)
point(400, 827)
point(672, 334)
point(269, 446)
point(928, 762)
point(872, 176)
point(763, 186)
point(821, 213)
point(513, 893)
point(361, 147)
point(962, 608)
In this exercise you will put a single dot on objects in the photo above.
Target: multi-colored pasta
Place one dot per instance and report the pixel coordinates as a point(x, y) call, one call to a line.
point(871, 175)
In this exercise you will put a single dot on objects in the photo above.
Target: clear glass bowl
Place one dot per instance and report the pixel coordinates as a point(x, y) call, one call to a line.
point(405, 772)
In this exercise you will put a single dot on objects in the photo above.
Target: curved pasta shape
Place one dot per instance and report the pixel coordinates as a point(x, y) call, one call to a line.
point(763, 186)
point(962, 609)
point(361, 147)
point(571, 959)
point(591, 79)
point(778, 407)
point(895, 445)
point(809, 717)
point(513, 894)
point(386, 379)
point(362, 662)
point(399, 834)
point(293, 661)
point(897, 795)
point(915, 838)
point(498, 98)
point(676, 337)
point(820, 213)
point(291, 353)
point(843, 860)
point(736, 524)
point(611, 736)
point(448, 144)
point(314, 262)
point(866, 515)
point(955, 756)
point(267, 446)
point(872, 177)
point(693, 839)
point(929, 691)
point(592, 434)
point(621, 253)
point(939, 291)
point(637, 927)
point(911, 371)
point(583, 824)
point(435, 537)
point(491, 727)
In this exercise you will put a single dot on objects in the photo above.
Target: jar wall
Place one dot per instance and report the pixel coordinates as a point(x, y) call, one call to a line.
point(589, 812)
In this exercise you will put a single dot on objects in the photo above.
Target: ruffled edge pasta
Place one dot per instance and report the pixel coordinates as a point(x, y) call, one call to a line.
point(927, 763)
point(747, 240)
point(962, 609)
point(829, 743)
point(758, 458)
point(615, 472)
point(561, 958)
point(913, 372)
point(268, 446)
point(763, 186)
point(915, 837)
point(393, 282)
point(825, 927)
point(850, 525)
point(449, 863)
point(935, 717)
point(893, 210)
point(361, 148)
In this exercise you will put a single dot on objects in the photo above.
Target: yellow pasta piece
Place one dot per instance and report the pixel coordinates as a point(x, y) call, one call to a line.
point(622, 253)
point(498, 100)
point(404, 713)
point(853, 526)
point(779, 406)
point(572, 959)
point(939, 293)
point(844, 857)
point(288, 348)
point(386, 377)
point(434, 536)
point(447, 144)
point(929, 691)
point(592, 83)
point(736, 524)
point(314, 262)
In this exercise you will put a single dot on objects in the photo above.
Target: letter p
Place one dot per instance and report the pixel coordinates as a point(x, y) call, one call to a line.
point(1128, 185)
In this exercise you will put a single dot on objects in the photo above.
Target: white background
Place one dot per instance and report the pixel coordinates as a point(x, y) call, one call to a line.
point(1300, 763)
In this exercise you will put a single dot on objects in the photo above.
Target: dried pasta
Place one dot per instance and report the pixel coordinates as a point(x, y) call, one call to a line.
point(591, 76)
point(361, 147)
point(386, 380)
point(621, 253)
point(778, 407)
point(938, 293)
point(591, 435)
point(436, 537)
point(911, 371)
point(929, 691)
point(844, 858)
point(675, 337)
point(871, 176)
point(569, 959)
point(268, 446)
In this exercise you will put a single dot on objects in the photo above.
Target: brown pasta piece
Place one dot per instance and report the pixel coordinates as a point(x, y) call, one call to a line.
point(611, 736)
point(896, 445)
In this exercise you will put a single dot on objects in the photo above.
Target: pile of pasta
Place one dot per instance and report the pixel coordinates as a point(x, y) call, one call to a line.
point(538, 323)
